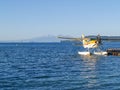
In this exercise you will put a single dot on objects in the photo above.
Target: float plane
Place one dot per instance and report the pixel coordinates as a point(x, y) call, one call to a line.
point(92, 42)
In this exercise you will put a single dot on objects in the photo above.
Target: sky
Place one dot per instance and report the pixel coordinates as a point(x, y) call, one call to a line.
point(24, 19)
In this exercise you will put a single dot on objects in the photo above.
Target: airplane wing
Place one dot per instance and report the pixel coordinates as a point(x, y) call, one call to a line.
point(110, 38)
point(105, 38)
point(98, 37)
point(70, 38)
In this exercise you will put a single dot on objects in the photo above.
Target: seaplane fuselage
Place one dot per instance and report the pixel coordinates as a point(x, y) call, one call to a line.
point(88, 43)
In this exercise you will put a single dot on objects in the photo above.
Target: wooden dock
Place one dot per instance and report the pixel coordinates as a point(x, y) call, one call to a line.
point(114, 51)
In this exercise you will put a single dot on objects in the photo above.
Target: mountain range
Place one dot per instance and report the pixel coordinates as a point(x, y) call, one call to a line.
point(43, 39)
point(55, 39)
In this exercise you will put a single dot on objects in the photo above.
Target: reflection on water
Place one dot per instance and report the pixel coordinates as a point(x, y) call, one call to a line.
point(89, 71)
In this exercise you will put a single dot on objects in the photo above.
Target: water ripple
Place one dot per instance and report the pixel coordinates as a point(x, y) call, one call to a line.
point(55, 66)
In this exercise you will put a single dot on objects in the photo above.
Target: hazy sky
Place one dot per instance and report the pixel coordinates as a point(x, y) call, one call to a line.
point(22, 19)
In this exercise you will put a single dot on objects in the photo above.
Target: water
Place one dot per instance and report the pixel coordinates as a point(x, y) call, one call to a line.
point(56, 66)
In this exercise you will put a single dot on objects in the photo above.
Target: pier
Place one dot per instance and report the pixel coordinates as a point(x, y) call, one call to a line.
point(114, 51)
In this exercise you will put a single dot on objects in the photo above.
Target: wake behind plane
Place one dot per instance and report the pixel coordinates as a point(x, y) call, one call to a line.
point(92, 42)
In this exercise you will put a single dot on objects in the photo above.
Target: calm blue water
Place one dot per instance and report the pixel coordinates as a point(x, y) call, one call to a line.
point(56, 66)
